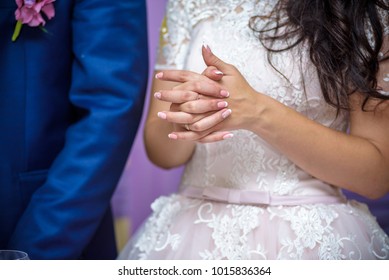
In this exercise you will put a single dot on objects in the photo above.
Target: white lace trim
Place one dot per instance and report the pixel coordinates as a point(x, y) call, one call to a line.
point(310, 231)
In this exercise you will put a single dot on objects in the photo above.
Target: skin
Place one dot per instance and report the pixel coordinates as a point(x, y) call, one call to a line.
point(191, 107)
point(358, 161)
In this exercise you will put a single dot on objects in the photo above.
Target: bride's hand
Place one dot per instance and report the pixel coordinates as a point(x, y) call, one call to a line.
point(242, 99)
point(197, 104)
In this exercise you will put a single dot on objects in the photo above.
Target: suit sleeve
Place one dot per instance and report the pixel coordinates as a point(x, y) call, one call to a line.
point(109, 79)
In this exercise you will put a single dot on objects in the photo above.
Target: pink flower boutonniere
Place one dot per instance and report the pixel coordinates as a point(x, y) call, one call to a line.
point(29, 12)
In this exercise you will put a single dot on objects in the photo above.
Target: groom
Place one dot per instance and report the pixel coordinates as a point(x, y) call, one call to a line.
point(71, 96)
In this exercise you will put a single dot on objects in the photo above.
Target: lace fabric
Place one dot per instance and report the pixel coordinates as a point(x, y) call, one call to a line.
point(189, 228)
point(183, 228)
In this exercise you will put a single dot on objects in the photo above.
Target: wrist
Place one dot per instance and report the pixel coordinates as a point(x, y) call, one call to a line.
point(259, 108)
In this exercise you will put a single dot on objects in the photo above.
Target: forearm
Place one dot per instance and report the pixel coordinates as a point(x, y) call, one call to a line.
point(161, 150)
point(344, 160)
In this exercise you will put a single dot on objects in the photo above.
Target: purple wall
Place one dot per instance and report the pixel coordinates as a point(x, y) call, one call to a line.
point(142, 182)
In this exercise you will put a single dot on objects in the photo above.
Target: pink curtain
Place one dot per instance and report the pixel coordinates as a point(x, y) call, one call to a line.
point(141, 181)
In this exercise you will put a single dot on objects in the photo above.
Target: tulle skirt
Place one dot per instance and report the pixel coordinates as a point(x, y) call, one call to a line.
point(188, 228)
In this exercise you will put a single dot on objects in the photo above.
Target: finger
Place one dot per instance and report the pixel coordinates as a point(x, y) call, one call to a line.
point(202, 106)
point(193, 82)
point(216, 136)
point(213, 73)
point(202, 137)
point(180, 76)
point(187, 135)
point(210, 121)
point(181, 117)
point(176, 96)
point(212, 60)
point(206, 87)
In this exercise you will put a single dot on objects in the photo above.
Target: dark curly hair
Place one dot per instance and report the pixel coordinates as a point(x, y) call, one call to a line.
point(339, 46)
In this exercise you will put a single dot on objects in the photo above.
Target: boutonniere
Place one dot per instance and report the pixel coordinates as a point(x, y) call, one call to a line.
point(30, 12)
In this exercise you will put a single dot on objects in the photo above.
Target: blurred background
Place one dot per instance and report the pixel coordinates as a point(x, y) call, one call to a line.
point(141, 181)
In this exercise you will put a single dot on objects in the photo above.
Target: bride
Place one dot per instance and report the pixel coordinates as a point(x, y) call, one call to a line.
point(270, 138)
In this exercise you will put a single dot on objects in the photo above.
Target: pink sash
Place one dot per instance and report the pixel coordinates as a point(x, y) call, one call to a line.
point(257, 197)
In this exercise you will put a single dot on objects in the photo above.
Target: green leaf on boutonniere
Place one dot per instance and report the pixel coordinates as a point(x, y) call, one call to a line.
point(18, 27)
point(44, 29)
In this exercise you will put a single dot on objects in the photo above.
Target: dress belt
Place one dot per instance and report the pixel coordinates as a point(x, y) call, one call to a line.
point(256, 197)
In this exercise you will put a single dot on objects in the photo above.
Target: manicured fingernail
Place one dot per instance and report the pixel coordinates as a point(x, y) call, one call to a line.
point(217, 72)
point(162, 115)
point(227, 136)
point(172, 136)
point(159, 75)
point(208, 49)
point(157, 95)
point(222, 104)
point(224, 93)
point(226, 113)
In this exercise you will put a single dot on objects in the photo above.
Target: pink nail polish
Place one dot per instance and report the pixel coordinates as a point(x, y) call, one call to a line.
point(173, 136)
point(227, 136)
point(222, 104)
point(159, 75)
point(158, 95)
point(224, 93)
point(162, 115)
point(207, 48)
point(226, 113)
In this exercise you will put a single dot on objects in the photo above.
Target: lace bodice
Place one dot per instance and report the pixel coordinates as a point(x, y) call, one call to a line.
point(246, 161)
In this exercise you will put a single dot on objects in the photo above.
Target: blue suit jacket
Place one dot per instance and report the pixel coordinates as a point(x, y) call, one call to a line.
point(70, 105)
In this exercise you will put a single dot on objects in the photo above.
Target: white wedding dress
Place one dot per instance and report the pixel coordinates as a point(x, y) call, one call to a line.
point(240, 198)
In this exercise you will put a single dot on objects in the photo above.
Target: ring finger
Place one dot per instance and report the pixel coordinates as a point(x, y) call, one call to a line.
point(181, 117)
point(200, 106)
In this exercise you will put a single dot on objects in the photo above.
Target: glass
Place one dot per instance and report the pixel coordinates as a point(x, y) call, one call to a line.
point(13, 255)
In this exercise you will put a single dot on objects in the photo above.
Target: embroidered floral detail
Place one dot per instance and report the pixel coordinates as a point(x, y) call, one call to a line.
point(158, 236)
point(315, 233)
point(230, 231)
point(286, 179)
point(30, 12)
point(222, 231)
point(307, 226)
point(331, 248)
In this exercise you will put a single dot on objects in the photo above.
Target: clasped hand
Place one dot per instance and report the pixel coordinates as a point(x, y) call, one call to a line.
point(202, 104)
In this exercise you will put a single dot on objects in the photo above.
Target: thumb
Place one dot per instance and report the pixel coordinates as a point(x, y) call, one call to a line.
point(212, 60)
